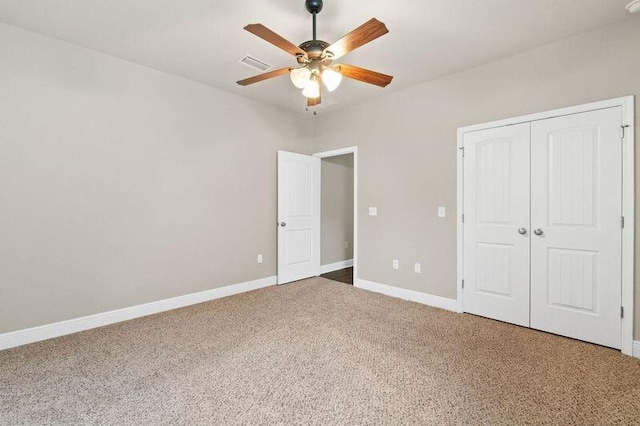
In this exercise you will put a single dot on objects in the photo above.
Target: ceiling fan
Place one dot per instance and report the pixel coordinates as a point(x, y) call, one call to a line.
point(315, 57)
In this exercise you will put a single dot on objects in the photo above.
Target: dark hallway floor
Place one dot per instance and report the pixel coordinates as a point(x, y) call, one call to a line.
point(343, 276)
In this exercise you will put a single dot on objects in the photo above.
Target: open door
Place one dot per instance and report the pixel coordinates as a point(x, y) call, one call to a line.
point(298, 217)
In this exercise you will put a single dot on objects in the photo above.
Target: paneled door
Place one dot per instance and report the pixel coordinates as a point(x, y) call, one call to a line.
point(298, 217)
point(496, 223)
point(576, 184)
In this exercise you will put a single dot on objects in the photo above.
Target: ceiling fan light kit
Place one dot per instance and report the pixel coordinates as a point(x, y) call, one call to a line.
point(315, 58)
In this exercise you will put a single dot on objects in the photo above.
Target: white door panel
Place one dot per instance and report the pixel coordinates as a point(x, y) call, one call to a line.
point(298, 216)
point(576, 181)
point(496, 200)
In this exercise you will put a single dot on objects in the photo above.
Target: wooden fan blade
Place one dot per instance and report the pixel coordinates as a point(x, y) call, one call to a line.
point(367, 76)
point(313, 102)
point(265, 76)
point(362, 35)
point(275, 39)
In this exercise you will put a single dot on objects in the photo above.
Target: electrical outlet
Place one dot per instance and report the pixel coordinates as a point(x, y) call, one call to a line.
point(373, 211)
point(346, 244)
point(442, 211)
point(395, 264)
point(259, 258)
point(417, 268)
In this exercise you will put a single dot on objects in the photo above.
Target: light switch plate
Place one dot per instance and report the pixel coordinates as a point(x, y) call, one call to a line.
point(373, 211)
point(442, 211)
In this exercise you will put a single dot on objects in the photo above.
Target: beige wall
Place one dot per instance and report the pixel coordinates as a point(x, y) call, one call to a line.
point(121, 185)
point(337, 209)
point(407, 145)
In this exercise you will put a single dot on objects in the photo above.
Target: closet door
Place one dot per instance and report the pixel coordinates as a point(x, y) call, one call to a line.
point(576, 184)
point(496, 234)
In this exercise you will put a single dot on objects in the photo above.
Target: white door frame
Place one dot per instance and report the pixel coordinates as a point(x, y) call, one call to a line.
point(627, 103)
point(344, 151)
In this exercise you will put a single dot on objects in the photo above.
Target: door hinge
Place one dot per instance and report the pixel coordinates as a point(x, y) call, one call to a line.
point(463, 284)
point(462, 217)
point(623, 131)
point(462, 149)
point(621, 311)
point(622, 222)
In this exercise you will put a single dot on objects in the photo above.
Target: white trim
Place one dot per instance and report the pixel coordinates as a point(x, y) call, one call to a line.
point(344, 151)
point(413, 296)
point(48, 331)
point(624, 102)
point(325, 269)
point(628, 211)
point(627, 103)
point(336, 152)
point(459, 222)
point(636, 349)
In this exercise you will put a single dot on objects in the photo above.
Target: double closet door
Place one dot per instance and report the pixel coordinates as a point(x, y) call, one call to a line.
point(542, 225)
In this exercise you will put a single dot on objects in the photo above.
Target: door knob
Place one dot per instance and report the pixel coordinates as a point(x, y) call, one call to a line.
point(538, 231)
point(522, 231)
point(283, 224)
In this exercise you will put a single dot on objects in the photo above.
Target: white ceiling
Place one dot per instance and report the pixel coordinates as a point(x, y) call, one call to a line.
point(202, 40)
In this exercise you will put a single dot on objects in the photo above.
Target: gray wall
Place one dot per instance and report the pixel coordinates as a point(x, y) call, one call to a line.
point(337, 209)
point(407, 145)
point(121, 185)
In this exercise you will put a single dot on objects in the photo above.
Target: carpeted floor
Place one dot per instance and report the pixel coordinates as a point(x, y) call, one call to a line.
point(316, 352)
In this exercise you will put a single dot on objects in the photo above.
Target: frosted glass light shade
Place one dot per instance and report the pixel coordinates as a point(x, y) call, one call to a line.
point(331, 79)
point(300, 77)
point(312, 88)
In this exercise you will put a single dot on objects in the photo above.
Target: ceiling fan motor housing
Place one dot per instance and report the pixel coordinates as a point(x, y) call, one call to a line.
point(314, 48)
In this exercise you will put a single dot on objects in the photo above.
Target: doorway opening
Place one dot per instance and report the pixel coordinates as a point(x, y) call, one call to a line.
point(338, 228)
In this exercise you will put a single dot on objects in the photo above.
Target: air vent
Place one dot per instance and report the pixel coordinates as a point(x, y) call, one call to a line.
point(254, 63)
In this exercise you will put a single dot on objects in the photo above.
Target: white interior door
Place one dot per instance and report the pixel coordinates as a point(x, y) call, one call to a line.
point(298, 217)
point(496, 223)
point(576, 183)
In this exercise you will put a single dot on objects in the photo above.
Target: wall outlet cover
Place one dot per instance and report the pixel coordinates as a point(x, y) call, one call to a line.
point(259, 259)
point(373, 211)
point(395, 264)
point(442, 212)
point(417, 268)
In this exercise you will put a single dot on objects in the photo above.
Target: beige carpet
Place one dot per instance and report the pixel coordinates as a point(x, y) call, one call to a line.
point(316, 352)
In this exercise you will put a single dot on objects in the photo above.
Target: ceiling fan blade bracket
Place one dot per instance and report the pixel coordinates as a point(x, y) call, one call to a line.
point(302, 59)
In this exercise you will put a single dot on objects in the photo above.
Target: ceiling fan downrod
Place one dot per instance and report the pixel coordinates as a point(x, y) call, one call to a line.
point(314, 7)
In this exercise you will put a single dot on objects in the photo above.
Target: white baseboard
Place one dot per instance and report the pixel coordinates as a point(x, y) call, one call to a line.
point(325, 269)
point(414, 296)
point(48, 331)
point(636, 349)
